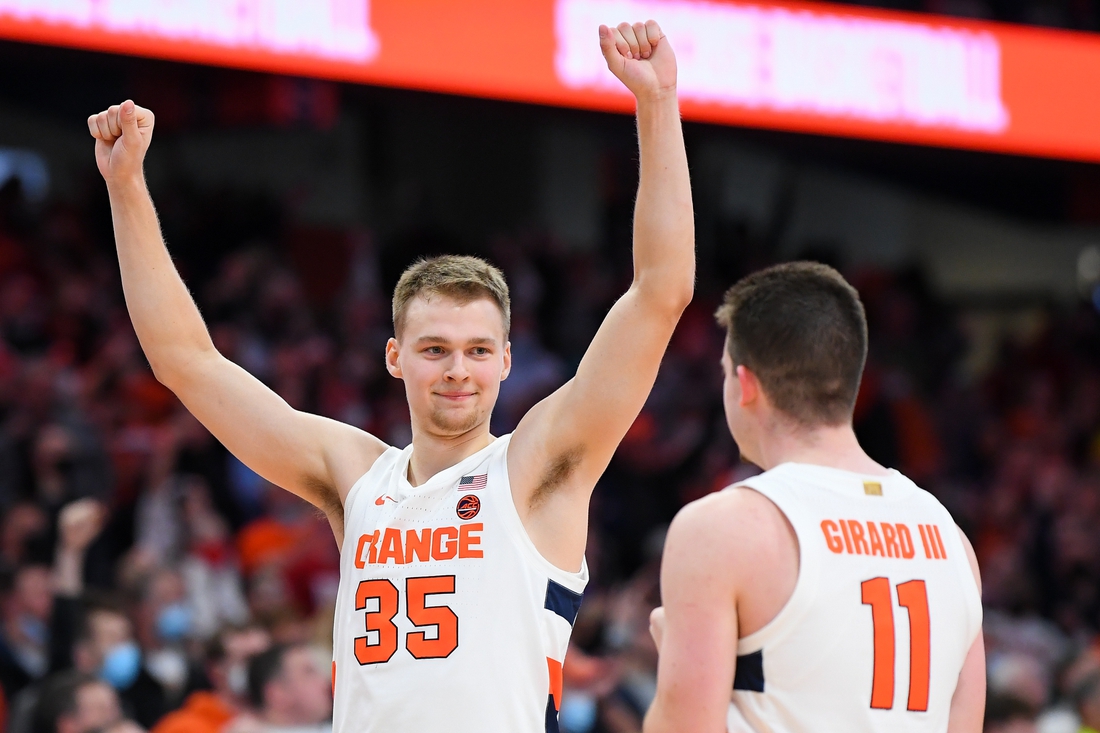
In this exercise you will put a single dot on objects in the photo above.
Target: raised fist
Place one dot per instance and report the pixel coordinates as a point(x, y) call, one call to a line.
point(122, 134)
point(641, 57)
point(79, 523)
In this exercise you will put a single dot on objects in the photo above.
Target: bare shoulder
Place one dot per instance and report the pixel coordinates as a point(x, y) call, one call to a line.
point(971, 556)
point(349, 453)
point(734, 522)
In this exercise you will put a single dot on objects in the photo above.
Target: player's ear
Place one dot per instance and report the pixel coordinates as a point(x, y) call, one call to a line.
point(393, 350)
point(507, 361)
point(750, 385)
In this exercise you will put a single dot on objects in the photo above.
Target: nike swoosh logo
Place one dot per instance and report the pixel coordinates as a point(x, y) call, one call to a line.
point(382, 500)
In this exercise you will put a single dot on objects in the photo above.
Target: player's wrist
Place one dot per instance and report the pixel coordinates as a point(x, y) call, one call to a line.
point(659, 95)
point(126, 185)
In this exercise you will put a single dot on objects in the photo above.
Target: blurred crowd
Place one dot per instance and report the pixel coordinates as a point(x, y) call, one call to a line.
point(149, 581)
point(1080, 15)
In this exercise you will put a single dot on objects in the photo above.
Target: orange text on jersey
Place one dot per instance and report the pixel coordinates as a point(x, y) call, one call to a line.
point(885, 539)
point(382, 547)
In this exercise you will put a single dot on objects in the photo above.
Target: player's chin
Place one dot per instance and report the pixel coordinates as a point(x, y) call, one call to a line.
point(457, 420)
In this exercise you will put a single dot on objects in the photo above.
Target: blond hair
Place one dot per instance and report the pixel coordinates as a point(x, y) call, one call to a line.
point(462, 278)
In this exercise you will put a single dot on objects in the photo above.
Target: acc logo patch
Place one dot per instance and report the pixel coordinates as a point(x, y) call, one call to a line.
point(468, 507)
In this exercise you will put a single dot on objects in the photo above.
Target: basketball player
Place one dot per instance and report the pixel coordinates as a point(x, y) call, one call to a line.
point(462, 555)
point(828, 593)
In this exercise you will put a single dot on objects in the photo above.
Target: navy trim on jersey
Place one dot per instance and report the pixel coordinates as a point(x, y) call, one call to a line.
point(562, 601)
point(551, 716)
point(750, 672)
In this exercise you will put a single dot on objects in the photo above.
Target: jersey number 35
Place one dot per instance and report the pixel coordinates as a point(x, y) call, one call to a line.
point(383, 594)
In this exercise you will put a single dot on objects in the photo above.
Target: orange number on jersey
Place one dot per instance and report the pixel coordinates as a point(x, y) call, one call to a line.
point(419, 612)
point(913, 595)
point(876, 594)
point(441, 617)
point(380, 621)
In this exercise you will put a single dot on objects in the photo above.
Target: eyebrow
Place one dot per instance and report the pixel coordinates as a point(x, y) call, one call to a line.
point(480, 341)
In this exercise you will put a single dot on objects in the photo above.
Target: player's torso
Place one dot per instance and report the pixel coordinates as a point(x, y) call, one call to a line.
point(447, 618)
point(881, 619)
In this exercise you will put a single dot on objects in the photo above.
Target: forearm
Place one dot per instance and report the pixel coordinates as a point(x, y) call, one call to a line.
point(664, 225)
point(165, 318)
point(661, 719)
point(68, 573)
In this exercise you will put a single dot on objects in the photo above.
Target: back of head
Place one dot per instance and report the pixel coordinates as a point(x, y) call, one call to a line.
point(262, 669)
point(58, 698)
point(801, 329)
point(460, 277)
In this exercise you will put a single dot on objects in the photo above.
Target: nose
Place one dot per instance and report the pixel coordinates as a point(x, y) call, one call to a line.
point(456, 369)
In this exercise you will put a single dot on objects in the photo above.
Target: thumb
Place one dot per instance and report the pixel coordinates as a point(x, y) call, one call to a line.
point(129, 120)
point(611, 54)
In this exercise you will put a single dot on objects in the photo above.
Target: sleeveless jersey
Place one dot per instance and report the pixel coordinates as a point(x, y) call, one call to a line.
point(447, 617)
point(883, 614)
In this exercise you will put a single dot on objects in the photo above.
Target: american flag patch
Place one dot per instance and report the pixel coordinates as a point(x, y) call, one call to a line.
point(474, 482)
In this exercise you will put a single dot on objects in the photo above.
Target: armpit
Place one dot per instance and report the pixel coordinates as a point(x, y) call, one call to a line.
point(557, 473)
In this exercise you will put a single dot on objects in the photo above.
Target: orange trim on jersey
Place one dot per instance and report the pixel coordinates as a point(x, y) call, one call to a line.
point(334, 680)
point(553, 666)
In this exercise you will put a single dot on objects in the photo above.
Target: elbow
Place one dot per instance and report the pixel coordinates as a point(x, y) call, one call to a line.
point(682, 296)
point(670, 299)
point(175, 370)
point(167, 376)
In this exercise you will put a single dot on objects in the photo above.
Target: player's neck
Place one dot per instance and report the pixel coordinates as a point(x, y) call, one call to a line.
point(830, 446)
point(433, 453)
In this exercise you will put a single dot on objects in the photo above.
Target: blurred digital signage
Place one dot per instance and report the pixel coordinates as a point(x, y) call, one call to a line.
point(798, 66)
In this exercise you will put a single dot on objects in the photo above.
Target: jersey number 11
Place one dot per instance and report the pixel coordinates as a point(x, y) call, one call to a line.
point(914, 597)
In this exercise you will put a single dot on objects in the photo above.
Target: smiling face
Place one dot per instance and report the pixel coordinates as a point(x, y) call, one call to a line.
point(452, 357)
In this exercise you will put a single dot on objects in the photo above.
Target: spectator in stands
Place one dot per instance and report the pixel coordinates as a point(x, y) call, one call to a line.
point(1008, 715)
point(165, 625)
point(105, 643)
point(24, 635)
point(227, 658)
point(76, 702)
point(78, 525)
point(288, 690)
point(1086, 697)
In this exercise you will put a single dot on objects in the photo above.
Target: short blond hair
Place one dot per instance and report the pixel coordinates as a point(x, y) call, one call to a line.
point(462, 278)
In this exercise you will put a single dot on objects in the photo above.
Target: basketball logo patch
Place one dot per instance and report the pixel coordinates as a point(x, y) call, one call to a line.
point(468, 507)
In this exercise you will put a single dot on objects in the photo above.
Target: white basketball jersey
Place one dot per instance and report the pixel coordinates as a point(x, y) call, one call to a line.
point(447, 617)
point(881, 619)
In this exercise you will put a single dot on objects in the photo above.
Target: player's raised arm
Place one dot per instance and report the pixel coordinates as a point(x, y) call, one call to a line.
point(288, 448)
point(569, 438)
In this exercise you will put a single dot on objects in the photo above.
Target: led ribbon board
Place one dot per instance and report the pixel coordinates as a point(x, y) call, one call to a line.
point(807, 67)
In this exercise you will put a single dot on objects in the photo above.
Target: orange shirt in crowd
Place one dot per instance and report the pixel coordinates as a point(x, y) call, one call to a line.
point(202, 712)
point(265, 540)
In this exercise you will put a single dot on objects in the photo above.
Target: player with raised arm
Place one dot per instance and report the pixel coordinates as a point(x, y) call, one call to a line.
point(462, 555)
point(828, 593)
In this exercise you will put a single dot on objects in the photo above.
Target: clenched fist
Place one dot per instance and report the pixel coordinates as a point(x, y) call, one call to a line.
point(122, 134)
point(79, 523)
point(641, 57)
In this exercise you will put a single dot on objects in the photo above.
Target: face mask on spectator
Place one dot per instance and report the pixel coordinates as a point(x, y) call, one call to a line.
point(34, 629)
point(121, 665)
point(168, 666)
point(174, 622)
point(578, 712)
point(237, 679)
